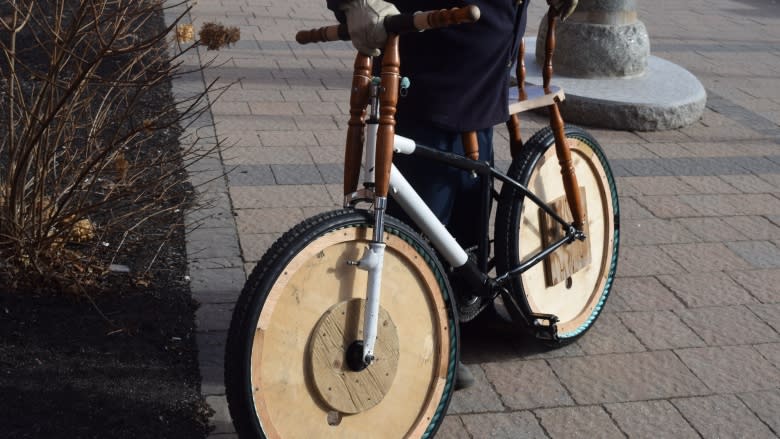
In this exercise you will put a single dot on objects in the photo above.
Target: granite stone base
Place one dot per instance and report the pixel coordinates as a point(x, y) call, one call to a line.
point(665, 97)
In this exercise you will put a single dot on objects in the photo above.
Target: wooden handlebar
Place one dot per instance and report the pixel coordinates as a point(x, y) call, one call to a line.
point(397, 24)
point(328, 33)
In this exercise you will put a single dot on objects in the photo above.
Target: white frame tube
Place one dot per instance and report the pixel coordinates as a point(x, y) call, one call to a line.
point(403, 193)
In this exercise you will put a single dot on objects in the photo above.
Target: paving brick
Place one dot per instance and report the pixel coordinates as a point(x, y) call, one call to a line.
point(730, 325)
point(578, 422)
point(626, 377)
point(660, 330)
point(296, 174)
point(733, 205)
point(479, 398)
point(511, 380)
point(697, 166)
point(212, 380)
point(732, 369)
point(660, 185)
point(257, 197)
point(503, 425)
point(630, 209)
point(315, 123)
point(251, 175)
point(760, 254)
point(452, 427)
point(212, 243)
point(654, 231)
point(722, 416)
point(762, 284)
point(651, 419)
point(643, 167)
point(213, 316)
point(705, 257)
point(709, 185)
point(750, 184)
point(769, 313)
point(711, 229)
point(266, 155)
point(646, 261)
point(667, 206)
point(287, 138)
point(269, 220)
point(770, 351)
point(220, 420)
point(756, 228)
point(765, 405)
point(706, 289)
point(645, 294)
point(217, 285)
point(608, 335)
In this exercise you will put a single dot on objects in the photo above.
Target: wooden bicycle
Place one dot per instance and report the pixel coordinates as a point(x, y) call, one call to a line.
point(312, 349)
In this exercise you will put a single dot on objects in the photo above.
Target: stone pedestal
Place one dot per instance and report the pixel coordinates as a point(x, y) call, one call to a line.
point(602, 60)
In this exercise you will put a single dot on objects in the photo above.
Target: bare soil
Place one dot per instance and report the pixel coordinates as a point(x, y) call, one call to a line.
point(119, 360)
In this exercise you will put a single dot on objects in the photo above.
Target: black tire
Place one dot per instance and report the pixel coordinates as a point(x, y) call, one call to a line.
point(269, 362)
point(580, 299)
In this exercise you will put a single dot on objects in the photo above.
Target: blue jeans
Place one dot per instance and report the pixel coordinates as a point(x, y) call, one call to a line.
point(452, 194)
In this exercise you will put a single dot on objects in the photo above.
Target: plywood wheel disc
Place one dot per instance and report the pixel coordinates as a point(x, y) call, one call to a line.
point(341, 388)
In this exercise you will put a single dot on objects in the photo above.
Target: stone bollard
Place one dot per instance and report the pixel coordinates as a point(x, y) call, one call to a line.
point(602, 61)
point(602, 38)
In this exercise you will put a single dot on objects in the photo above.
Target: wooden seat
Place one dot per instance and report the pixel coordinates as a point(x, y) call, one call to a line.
point(536, 98)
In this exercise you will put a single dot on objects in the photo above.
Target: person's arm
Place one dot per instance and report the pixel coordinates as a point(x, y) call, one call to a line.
point(365, 21)
point(335, 6)
point(563, 7)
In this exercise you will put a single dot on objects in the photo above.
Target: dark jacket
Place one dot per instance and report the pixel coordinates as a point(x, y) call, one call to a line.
point(459, 75)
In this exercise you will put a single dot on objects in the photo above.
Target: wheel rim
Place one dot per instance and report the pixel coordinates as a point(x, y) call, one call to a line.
point(575, 303)
point(286, 398)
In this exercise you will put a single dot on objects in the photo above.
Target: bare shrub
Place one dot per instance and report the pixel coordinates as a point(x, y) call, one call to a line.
point(84, 163)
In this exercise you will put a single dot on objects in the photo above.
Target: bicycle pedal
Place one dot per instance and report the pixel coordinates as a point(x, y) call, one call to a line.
point(545, 326)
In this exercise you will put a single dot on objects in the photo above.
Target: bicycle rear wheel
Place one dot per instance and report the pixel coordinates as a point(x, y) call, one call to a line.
point(574, 282)
point(285, 369)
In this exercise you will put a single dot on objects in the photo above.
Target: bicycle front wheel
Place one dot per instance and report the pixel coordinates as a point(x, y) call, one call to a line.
point(572, 283)
point(286, 371)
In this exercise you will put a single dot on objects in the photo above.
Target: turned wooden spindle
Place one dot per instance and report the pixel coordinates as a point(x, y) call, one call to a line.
point(358, 101)
point(388, 99)
point(520, 72)
point(515, 140)
point(470, 145)
point(562, 150)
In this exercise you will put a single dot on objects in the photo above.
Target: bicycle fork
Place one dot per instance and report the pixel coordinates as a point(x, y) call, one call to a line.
point(383, 97)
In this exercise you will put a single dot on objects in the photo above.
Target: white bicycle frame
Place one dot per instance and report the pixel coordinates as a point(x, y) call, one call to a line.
point(411, 203)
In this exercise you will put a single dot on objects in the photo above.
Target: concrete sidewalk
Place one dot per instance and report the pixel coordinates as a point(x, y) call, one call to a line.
point(688, 345)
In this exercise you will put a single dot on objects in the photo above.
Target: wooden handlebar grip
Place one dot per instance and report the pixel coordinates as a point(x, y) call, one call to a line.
point(446, 17)
point(327, 33)
point(470, 145)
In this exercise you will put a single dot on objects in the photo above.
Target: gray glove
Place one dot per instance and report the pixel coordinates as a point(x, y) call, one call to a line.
point(563, 7)
point(365, 20)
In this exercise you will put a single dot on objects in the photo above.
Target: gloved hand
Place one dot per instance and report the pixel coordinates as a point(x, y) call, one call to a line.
point(365, 20)
point(563, 7)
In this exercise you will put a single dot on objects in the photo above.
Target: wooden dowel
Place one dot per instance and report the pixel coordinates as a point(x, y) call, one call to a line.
point(358, 101)
point(562, 150)
point(520, 72)
point(515, 140)
point(470, 145)
point(388, 99)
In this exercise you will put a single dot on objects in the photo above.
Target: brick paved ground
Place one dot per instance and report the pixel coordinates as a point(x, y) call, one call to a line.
point(688, 345)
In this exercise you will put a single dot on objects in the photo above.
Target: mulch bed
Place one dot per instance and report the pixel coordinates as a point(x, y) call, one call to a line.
point(119, 361)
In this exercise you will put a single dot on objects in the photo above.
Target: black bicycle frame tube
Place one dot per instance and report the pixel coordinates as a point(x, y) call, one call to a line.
point(486, 170)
